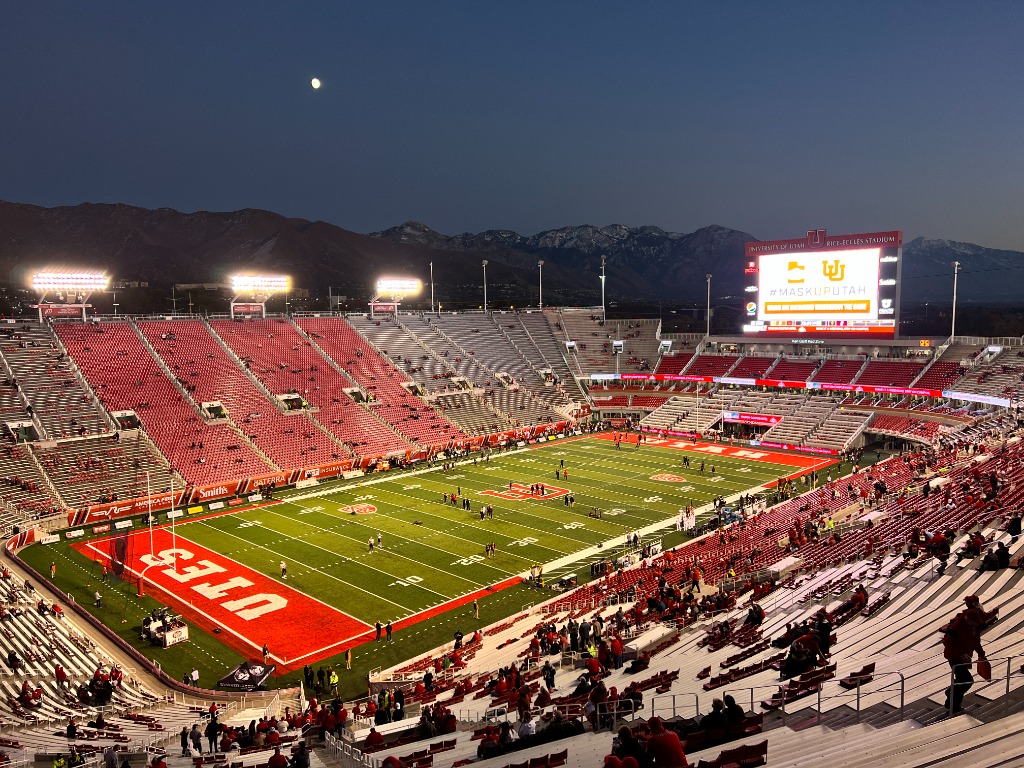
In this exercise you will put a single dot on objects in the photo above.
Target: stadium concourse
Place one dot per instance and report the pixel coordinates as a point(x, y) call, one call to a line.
point(115, 417)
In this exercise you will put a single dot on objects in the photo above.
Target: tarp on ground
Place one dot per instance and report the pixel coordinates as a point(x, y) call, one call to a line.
point(247, 676)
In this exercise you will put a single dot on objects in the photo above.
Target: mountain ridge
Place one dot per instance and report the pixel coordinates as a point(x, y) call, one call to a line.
point(164, 246)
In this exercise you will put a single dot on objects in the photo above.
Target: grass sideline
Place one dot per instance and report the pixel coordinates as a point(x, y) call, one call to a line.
point(525, 531)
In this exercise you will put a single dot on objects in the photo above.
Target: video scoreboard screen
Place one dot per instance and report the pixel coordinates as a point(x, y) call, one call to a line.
point(824, 286)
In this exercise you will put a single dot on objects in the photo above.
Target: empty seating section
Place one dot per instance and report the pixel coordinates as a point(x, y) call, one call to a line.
point(902, 426)
point(464, 365)
point(125, 376)
point(673, 365)
point(479, 337)
point(41, 642)
point(520, 408)
point(543, 334)
point(963, 355)
point(1003, 380)
point(411, 416)
point(404, 350)
point(639, 344)
point(102, 469)
point(469, 410)
point(711, 365)
point(838, 371)
point(61, 404)
point(771, 403)
point(752, 367)
point(796, 426)
point(477, 350)
point(940, 375)
point(687, 415)
point(202, 365)
point(670, 415)
point(23, 489)
point(605, 400)
point(838, 430)
point(12, 406)
point(593, 341)
point(793, 370)
point(889, 373)
point(285, 362)
point(521, 341)
point(647, 402)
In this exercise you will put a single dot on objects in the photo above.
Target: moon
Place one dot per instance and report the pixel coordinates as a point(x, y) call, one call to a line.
point(315, 82)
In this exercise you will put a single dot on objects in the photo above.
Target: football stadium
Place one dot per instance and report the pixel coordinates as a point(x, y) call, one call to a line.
point(414, 537)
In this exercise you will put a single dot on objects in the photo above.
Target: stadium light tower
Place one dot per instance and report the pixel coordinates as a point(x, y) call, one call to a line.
point(708, 332)
point(259, 288)
point(393, 290)
point(72, 288)
point(604, 312)
point(431, 287)
point(485, 285)
point(540, 284)
point(956, 271)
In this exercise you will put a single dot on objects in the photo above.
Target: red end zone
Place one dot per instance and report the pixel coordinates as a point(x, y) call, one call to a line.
point(216, 592)
point(752, 453)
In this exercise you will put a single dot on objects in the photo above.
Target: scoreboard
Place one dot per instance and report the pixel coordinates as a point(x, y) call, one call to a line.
point(838, 286)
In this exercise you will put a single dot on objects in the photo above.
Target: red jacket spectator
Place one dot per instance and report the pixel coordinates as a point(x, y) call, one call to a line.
point(616, 646)
point(962, 638)
point(664, 747)
point(858, 599)
point(277, 760)
point(373, 739)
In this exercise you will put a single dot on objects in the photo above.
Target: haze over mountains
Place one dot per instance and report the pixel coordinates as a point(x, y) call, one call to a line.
point(165, 246)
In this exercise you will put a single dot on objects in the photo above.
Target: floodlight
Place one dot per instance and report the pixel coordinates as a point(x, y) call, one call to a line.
point(263, 285)
point(84, 282)
point(399, 286)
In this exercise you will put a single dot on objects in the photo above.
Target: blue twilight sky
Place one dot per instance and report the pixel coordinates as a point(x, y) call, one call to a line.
point(769, 117)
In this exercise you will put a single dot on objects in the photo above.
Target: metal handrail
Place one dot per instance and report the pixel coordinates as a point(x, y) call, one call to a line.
point(820, 698)
point(673, 696)
point(614, 708)
point(1007, 677)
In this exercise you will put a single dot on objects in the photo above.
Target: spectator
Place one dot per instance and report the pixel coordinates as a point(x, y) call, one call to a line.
point(630, 746)
point(664, 747)
point(373, 740)
point(301, 757)
point(528, 727)
point(961, 640)
point(277, 760)
point(734, 714)
point(715, 719)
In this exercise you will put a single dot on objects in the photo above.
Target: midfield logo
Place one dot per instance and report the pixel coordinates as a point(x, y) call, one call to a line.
point(518, 492)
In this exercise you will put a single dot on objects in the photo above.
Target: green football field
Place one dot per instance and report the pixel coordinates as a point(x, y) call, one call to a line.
point(432, 554)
